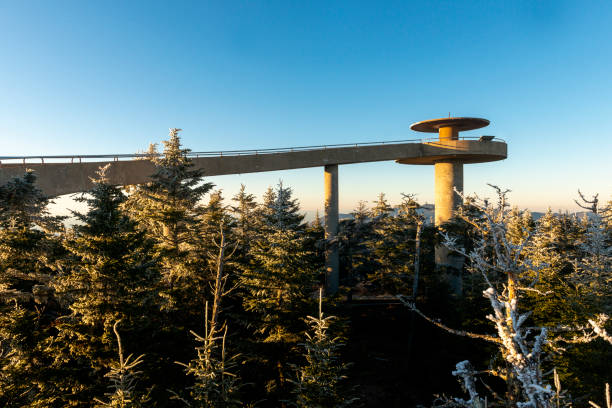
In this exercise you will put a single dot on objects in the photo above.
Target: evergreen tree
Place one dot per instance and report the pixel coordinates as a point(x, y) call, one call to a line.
point(381, 208)
point(123, 377)
point(27, 303)
point(319, 382)
point(315, 243)
point(212, 218)
point(356, 258)
point(593, 271)
point(215, 385)
point(280, 211)
point(111, 275)
point(519, 225)
point(169, 209)
point(361, 213)
point(278, 283)
point(544, 248)
point(244, 212)
point(166, 208)
point(392, 245)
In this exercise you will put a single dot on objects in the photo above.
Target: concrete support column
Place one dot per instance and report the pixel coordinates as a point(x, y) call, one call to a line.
point(448, 177)
point(332, 260)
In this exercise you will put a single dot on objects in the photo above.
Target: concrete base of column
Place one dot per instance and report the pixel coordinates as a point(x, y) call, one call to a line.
point(332, 258)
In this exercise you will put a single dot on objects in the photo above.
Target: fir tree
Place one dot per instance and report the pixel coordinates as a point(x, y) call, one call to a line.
point(319, 382)
point(123, 377)
point(361, 213)
point(280, 211)
point(111, 275)
point(215, 385)
point(213, 216)
point(356, 258)
point(381, 208)
point(244, 212)
point(166, 208)
point(392, 245)
point(27, 302)
point(518, 225)
point(278, 283)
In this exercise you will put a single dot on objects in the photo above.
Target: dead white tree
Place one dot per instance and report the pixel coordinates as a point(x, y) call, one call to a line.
point(507, 274)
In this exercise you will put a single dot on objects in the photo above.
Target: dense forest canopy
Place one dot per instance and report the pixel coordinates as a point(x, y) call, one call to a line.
point(168, 294)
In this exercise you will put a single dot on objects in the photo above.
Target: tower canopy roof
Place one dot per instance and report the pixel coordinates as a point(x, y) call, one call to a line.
point(461, 124)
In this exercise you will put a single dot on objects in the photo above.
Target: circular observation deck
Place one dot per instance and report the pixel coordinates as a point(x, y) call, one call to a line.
point(459, 124)
point(449, 148)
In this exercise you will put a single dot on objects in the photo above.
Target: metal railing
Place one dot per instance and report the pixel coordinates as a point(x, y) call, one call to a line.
point(79, 158)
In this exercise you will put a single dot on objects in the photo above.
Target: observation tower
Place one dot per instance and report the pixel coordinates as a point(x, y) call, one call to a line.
point(448, 167)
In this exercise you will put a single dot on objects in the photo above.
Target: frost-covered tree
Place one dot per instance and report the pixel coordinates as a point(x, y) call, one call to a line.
point(521, 347)
point(166, 208)
point(593, 269)
point(280, 211)
point(520, 224)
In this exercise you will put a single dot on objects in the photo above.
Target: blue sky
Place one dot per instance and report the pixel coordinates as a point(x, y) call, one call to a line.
point(109, 77)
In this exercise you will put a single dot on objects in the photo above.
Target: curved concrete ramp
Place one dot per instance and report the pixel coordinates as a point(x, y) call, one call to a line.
point(63, 178)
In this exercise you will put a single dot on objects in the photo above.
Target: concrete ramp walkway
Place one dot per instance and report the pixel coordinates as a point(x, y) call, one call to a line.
point(73, 175)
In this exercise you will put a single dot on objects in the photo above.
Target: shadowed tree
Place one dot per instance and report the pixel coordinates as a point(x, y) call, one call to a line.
point(278, 283)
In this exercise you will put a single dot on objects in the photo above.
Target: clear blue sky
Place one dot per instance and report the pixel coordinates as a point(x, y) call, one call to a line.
point(92, 77)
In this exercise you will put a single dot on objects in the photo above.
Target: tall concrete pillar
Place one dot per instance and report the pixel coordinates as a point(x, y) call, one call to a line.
point(332, 260)
point(448, 177)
